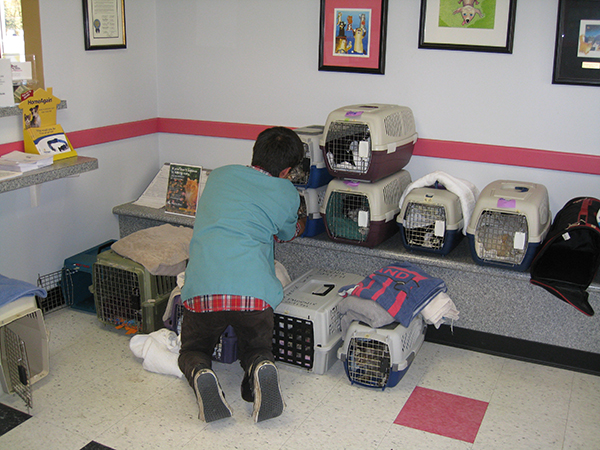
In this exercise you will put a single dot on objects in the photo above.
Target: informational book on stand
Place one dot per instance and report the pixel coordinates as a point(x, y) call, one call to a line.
point(185, 186)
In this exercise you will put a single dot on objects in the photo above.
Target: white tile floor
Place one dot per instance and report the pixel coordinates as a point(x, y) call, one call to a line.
point(98, 391)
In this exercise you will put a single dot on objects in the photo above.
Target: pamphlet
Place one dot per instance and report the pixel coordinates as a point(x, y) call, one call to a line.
point(6, 86)
point(17, 161)
point(184, 187)
point(155, 195)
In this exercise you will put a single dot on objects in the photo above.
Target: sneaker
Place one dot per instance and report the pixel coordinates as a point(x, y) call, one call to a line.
point(211, 399)
point(268, 402)
point(247, 393)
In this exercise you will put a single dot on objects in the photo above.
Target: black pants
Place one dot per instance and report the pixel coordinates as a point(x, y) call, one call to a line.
point(200, 333)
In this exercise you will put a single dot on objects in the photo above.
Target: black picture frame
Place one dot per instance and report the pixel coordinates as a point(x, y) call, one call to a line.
point(440, 26)
point(104, 24)
point(577, 55)
point(336, 59)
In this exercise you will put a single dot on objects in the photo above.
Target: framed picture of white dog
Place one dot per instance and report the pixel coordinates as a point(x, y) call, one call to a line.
point(470, 25)
point(577, 53)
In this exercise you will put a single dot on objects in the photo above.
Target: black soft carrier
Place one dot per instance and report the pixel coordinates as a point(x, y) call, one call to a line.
point(569, 256)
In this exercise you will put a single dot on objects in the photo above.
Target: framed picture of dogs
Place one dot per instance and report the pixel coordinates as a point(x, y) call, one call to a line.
point(104, 24)
point(577, 53)
point(470, 25)
point(353, 36)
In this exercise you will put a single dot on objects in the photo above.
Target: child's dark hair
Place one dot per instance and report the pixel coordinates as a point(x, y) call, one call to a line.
point(277, 149)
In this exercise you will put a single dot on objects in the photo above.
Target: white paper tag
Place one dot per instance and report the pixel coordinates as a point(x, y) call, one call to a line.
point(519, 241)
point(363, 149)
point(391, 147)
point(363, 218)
point(566, 236)
point(440, 228)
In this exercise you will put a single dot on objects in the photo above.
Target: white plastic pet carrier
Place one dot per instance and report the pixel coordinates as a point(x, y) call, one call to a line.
point(308, 329)
point(509, 222)
point(368, 142)
point(363, 213)
point(311, 201)
point(312, 172)
point(431, 220)
point(126, 293)
point(380, 357)
point(24, 358)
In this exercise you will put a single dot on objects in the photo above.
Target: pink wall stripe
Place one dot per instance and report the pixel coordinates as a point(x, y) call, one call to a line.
point(462, 151)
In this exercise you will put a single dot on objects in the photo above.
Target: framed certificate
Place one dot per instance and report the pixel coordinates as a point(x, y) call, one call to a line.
point(104, 24)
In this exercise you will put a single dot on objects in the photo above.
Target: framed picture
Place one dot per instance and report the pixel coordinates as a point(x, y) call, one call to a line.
point(104, 24)
point(577, 53)
point(471, 25)
point(352, 36)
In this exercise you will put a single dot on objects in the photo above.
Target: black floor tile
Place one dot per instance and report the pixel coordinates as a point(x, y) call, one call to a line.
point(11, 418)
point(95, 446)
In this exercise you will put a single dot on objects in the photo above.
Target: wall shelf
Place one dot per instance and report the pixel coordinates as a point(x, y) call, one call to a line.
point(60, 169)
point(8, 111)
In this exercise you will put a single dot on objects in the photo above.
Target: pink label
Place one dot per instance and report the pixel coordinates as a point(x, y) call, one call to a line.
point(354, 113)
point(503, 203)
point(351, 183)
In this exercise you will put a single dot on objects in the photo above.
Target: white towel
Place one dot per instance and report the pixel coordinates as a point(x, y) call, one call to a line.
point(466, 191)
point(159, 350)
point(440, 309)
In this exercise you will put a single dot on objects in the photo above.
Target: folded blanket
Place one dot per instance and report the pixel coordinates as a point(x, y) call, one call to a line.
point(162, 250)
point(159, 350)
point(11, 290)
point(466, 191)
point(367, 311)
point(401, 288)
point(439, 310)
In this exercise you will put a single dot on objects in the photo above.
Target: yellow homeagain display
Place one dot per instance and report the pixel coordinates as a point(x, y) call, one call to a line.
point(41, 134)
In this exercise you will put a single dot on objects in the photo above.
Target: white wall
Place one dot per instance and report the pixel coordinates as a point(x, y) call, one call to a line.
point(255, 61)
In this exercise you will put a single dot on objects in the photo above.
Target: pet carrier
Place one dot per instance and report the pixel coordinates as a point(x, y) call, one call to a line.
point(308, 330)
point(79, 267)
point(368, 142)
point(23, 347)
point(225, 350)
point(380, 357)
point(508, 224)
point(363, 213)
point(312, 172)
point(569, 256)
point(431, 220)
point(310, 207)
point(125, 293)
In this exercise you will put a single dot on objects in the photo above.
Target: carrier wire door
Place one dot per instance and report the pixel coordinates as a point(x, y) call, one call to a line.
point(15, 356)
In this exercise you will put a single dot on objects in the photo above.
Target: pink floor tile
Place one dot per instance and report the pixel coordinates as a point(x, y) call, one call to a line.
point(448, 415)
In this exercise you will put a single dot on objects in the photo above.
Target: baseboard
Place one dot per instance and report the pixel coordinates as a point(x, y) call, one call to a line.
point(514, 348)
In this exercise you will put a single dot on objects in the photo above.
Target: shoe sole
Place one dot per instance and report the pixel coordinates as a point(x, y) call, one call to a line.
point(268, 399)
point(212, 404)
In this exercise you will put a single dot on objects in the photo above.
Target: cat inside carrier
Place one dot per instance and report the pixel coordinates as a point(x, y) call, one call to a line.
point(368, 142)
point(126, 293)
point(380, 357)
point(312, 171)
point(509, 222)
point(363, 213)
point(431, 220)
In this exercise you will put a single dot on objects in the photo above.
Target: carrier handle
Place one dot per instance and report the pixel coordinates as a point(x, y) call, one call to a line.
point(327, 291)
point(583, 212)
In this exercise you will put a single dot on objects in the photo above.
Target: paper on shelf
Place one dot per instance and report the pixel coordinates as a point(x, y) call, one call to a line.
point(155, 195)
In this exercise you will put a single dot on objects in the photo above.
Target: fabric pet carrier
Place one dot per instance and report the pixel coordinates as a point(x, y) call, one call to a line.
point(431, 220)
point(312, 171)
point(126, 293)
point(509, 222)
point(363, 213)
point(380, 357)
point(308, 330)
point(310, 207)
point(569, 257)
point(368, 142)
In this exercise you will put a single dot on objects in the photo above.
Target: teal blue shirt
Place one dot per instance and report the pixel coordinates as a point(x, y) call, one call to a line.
point(231, 251)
